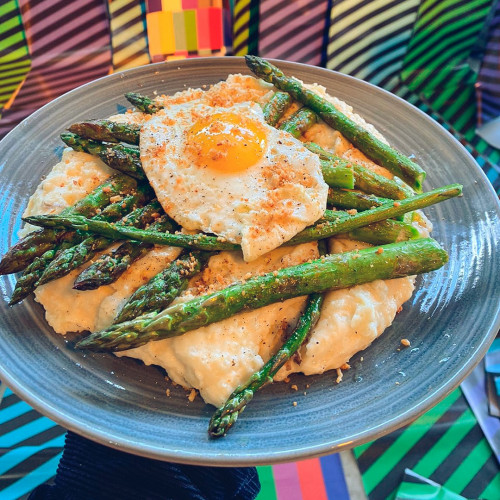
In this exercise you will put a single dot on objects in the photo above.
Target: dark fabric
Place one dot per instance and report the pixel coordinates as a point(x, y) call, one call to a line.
point(91, 471)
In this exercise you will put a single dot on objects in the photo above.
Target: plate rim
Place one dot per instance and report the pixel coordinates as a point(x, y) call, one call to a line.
point(433, 398)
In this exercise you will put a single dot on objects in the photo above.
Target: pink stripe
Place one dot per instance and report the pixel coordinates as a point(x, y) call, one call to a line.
point(286, 480)
point(70, 46)
point(282, 33)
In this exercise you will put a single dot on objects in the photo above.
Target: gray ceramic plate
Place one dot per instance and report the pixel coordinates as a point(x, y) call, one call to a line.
point(451, 319)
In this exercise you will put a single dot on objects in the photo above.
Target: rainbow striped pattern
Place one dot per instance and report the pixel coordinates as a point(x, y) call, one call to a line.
point(182, 28)
point(314, 479)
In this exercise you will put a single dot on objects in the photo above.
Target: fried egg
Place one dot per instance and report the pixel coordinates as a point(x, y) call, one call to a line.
point(223, 170)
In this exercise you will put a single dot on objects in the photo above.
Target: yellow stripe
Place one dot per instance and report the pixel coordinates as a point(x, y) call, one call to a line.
point(128, 34)
point(240, 21)
point(363, 28)
point(239, 6)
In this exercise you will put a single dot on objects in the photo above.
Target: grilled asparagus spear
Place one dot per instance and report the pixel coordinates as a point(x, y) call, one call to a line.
point(276, 107)
point(35, 244)
point(142, 103)
point(327, 273)
point(126, 159)
point(106, 130)
point(344, 223)
point(301, 121)
point(110, 266)
point(372, 147)
point(76, 255)
point(163, 288)
point(225, 417)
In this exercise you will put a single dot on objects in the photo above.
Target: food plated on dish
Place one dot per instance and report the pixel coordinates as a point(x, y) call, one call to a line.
point(122, 403)
point(251, 232)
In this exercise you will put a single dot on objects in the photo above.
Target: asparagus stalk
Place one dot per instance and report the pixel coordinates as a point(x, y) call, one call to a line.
point(38, 242)
point(109, 267)
point(300, 122)
point(276, 107)
point(378, 233)
point(344, 223)
point(76, 255)
point(354, 199)
point(365, 179)
point(124, 158)
point(225, 417)
point(335, 175)
point(327, 273)
point(372, 147)
point(106, 130)
point(28, 280)
point(163, 288)
point(142, 103)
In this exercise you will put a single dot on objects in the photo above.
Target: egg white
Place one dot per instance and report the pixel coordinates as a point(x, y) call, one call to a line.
point(260, 207)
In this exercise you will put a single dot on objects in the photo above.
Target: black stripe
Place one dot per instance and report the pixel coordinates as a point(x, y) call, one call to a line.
point(64, 36)
point(278, 6)
point(11, 48)
point(12, 73)
point(23, 419)
point(293, 15)
point(43, 437)
point(125, 8)
point(127, 25)
point(130, 58)
point(291, 34)
point(382, 24)
point(447, 10)
point(451, 52)
point(416, 55)
point(130, 41)
point(448, 467)
point(9, 401)
point(351, 10)
point(373, 59)
point(420, 450)
point(244, 26)
point(49, 7)
point(471, 101)
point(482, 479)
point(26, 466)
point(11, 15)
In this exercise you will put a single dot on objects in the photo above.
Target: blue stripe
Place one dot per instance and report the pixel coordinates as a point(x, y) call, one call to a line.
point(333, 476)
point(29, 482)
point(14, 411)
point(492, 175)
point(14, 457)
point(24, 432)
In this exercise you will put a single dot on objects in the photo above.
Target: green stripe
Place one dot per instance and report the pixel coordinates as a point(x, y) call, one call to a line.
point(434, 28)
point(493, 489)
point(438, 45)
point(5, 43)
point(253, 28)
point(422, 73)
point(405, 441)
point(267, 488)
point(9, 24)
point(471, 465)
point(446, 444)
point(7, 7)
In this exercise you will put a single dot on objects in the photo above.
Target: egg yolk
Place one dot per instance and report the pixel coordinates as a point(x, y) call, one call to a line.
point(227, 142)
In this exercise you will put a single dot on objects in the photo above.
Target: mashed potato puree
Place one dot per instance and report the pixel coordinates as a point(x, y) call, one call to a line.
point(217, 358)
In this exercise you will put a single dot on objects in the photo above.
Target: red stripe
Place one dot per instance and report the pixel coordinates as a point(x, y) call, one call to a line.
point(311, 480)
